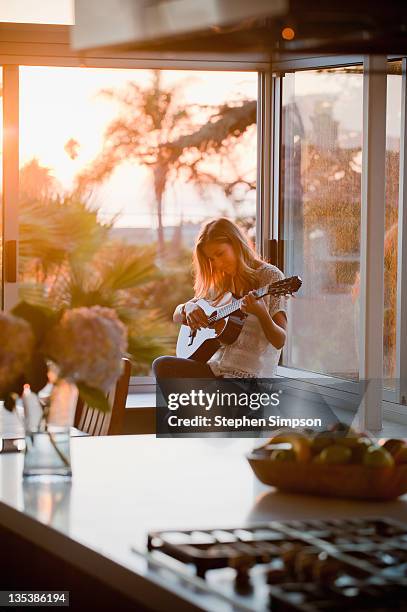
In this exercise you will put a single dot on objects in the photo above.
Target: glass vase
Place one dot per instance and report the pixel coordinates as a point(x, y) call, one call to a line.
point(48, 424)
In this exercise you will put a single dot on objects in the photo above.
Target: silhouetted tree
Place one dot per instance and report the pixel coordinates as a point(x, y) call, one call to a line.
point(36, 182)
point(155, 129)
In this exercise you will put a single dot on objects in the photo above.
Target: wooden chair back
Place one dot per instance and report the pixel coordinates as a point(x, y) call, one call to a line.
point(97, 423)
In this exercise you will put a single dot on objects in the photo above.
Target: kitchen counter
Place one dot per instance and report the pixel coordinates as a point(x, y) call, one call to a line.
point(125, 486)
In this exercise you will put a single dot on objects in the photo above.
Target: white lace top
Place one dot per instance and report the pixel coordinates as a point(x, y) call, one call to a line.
point(252, 355)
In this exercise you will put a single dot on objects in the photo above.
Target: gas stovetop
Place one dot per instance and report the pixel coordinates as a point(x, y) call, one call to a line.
point(308, 566)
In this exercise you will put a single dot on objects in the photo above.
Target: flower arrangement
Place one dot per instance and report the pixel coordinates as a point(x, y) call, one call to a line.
point(17, 342)
point(85, 346)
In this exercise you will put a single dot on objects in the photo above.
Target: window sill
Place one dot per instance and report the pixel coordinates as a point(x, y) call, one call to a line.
point(141, 400)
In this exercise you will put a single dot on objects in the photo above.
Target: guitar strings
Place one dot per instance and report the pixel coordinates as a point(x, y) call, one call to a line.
point(277, 288)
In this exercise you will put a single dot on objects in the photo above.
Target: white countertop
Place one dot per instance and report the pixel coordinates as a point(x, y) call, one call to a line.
point(125, 486)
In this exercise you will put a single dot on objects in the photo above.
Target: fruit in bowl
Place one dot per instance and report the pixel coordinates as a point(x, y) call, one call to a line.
point(299, 443)
point(393, 445)
point(401, 456)
point(342, 463)
point(398, 449)
point(335, 453)
point(282, 454)
point(377, 456)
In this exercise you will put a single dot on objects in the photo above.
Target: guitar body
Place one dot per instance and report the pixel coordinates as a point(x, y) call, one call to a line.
point(206, 341)
point(233, 327)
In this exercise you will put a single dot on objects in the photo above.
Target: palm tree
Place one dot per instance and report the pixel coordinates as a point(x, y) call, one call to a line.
point(36, 182)
point(117, 277)
point(67, 260)
point(56, 233)
point(218, 136)
point(149, 117)
point(155, 130)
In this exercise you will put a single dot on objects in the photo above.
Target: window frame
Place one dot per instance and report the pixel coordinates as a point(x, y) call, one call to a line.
point(10, 170)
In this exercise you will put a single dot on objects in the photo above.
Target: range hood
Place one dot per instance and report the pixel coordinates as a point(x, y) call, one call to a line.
point(140, 24)
point(349, 26)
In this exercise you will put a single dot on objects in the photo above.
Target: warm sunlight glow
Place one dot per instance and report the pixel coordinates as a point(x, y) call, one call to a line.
point(37, 11)
point(64, 116)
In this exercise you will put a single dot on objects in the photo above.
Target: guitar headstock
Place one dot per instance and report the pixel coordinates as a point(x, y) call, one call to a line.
point(287, 286)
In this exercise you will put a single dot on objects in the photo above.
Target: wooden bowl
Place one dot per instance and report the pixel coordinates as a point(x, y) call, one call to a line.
point(346, 480)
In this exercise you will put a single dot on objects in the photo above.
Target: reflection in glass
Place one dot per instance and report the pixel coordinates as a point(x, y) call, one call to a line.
point(321, 189)
point(48, 501)
point(393, 128)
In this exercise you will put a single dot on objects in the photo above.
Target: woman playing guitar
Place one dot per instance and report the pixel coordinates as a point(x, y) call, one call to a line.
point(225, 262)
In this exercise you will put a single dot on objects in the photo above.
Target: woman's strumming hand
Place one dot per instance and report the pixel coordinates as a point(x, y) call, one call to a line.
point(195, 316)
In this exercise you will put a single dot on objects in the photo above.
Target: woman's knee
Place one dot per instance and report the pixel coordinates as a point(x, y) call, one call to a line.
point(161, 366)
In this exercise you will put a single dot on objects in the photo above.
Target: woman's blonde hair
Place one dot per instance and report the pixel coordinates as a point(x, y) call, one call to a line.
point(210, 283)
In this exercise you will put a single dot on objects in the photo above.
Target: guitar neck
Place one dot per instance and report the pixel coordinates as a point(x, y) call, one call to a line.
point(287, 286)
point(226, 311)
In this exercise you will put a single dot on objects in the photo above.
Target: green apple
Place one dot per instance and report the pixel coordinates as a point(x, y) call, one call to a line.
point(283, 455)
point(317, 459)
point(335, 454)
point(377, 456)
point(401, 455)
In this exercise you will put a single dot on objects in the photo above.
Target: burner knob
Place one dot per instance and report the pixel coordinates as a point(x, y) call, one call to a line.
point(289, 553)
point(325, 571)
point(304, 563)
point(242, 565)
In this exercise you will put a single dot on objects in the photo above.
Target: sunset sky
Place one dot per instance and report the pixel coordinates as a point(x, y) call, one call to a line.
point(37, 11)
point(57, 104)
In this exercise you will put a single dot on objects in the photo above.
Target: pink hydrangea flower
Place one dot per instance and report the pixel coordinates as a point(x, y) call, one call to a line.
point(17, 342)
point(87, 346)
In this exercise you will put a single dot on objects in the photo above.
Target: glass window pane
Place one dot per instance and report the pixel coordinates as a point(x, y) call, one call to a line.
point(119, 168)
point(393, 127)
point(321, 188)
